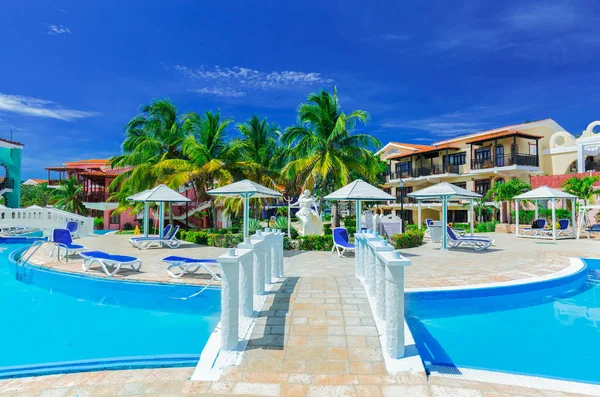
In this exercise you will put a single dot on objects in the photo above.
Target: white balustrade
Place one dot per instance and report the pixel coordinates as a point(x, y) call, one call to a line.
point(44, 218)
point(257, 244)
point(279, 234)
point(230, 298)
point(382, 271)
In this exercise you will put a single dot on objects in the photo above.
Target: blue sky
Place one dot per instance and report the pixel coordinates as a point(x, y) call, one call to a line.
point(74, 72)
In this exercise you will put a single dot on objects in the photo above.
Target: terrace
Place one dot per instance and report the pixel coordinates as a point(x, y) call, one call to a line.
point(500, 150)
point(316, 334)
point(426, 162)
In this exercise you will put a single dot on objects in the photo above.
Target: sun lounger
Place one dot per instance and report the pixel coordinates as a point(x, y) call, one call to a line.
point(341, 240)
point(136, 240)
point(61, 238)
point(537, 227)
point(561, 230)
point(148, 242)
point(595, 228)
point(189, 265)
point(73, 228)
point(111, 264)
point(478, 243)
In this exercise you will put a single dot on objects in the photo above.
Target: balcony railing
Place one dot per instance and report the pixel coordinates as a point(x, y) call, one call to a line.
point(506, 160)
point(7, 183)
point(592, 166)
point(97, 197)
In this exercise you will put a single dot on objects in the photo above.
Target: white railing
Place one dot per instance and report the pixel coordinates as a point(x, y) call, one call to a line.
point(245, 271)
point(381, 270)
point(44, 218)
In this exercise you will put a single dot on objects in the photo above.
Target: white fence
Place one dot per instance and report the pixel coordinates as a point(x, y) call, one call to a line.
point(44, 218)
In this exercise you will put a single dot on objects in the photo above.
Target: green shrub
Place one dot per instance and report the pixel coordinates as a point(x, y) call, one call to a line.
point(289, 244)
point(351, 229)
point(253, 225)
point(99, 223)
point(526, 217)
point(409, 239)
point(281, 222)
point(462, 226)
point(327, 229)
point(486, 227)
point(412, 226)
point(315, 243)
point(128, 226)
point(225, 240)
point(294, 233)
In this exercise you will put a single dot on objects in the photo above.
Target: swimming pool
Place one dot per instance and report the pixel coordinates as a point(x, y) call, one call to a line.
point(58, 322)
point(551, 332)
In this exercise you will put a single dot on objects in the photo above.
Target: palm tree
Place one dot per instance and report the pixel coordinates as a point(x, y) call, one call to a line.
point(583, 188)
point(480, 208)
point(67, 196)
point(153, 136)
point(39, 194)
point(506, 191)
point(206, 156)
point(323, 150)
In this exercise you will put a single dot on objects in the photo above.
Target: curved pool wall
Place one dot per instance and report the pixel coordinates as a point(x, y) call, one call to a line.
point(436, 302)
point(163, 304)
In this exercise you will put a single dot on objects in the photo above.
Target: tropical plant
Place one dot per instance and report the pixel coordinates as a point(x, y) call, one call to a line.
point(323, 151)
point(253, 225)
point(408, 239)
point(480, 208)
point(583, 188)
point(39, 194)
point(67, 196)
point(281, 222)
point(506, 191)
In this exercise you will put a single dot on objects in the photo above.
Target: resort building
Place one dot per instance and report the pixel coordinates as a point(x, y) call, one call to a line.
point(477, 161)
point(10, 171)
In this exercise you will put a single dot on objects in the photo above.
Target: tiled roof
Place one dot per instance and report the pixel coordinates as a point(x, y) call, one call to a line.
point(501, 134)
point(483, 133)
point(426, 149)
point(412, 145)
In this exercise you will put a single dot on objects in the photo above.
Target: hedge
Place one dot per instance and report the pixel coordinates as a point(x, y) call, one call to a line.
point(202, 237)
point(408, 239)
point(315, 243)
point(527, 216)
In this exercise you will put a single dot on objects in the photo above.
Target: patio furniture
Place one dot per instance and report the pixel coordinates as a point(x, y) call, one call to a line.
point(341, 240)
point(73, 228)
point(135, 241)
point(595, 228)
point(190, 265)
point(61, 238)
point(110, 264)
point(536, 228)
point(170, 241)
point(477, 243)
point(561, 230)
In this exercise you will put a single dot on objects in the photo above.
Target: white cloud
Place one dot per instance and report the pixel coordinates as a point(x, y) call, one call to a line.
point(222, 92)
point(467, 121)
point(39, 108)
point(58, 29)
point(244, 78)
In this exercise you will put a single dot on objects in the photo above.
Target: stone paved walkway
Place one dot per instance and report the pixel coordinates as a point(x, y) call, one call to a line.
point(314, 337)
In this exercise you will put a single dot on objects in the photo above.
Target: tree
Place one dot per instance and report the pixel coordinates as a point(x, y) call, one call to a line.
point(506, 191)
point(206, 159)
point(67, 196)
point(39, 194)
point(151, 137)
point(480, 208)
point(322, 147)
point(583, 188)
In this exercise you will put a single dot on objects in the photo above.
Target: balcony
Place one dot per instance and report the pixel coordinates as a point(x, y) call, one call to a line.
point(507, 160)
point(7, 184)
point(592, 166)
point(96, 197)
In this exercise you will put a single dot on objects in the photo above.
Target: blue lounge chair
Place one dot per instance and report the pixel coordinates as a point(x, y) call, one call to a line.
point(61, 238)
point(135, 241)
point(536, 228)
point(595, 228)
point(73, 228)
point(106, 261)
point(477, 243)
point(561, 230)
point(169, 240)
point(190, 265)
point(341, 240)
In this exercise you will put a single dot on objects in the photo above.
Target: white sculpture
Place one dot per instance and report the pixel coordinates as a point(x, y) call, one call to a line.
point(310, 220)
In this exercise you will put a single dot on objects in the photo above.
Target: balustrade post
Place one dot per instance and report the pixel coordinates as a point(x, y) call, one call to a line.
point(230, 274)
point(379, 245)
point(358, 243)
point(246, 279)
point(278, 251)
point(258, 245)
point(380, 281)
point(268, 256)
point(394, 302)
point(370, 268)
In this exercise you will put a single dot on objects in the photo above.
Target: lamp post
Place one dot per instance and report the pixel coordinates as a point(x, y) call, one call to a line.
point(401, 187)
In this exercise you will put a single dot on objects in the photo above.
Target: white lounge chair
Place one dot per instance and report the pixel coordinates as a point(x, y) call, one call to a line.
point(61, 238)
point(110, 264)
point(137, 240)
point(341, 240)
point(189, 265)
point(149, 242)
point(477, 243)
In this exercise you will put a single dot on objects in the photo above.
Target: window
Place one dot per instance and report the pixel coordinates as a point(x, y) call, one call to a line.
point(115, 219)
point(483, 157)
point(499, 156)
point(482, 186)
point(458, 216)
point(387, 212)
point(408, 216)
point(460, 184)
point(533, 149)
point(405, 191)
point(456, 159)
point(403, 168)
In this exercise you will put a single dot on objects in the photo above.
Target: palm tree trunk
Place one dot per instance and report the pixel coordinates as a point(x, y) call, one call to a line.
point(213, 210)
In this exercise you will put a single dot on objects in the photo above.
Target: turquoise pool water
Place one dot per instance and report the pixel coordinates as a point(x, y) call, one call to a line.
point(552, 333)
point(56, 322)
point(103, 232)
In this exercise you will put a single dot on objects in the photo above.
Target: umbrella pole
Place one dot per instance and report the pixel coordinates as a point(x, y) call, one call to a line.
point(358, 210)
point(444, 223)
point(161, 219)
point(246, 209)
point(146, 218)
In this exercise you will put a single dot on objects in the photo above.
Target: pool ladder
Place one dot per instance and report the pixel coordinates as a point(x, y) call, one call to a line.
point(21, 271)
